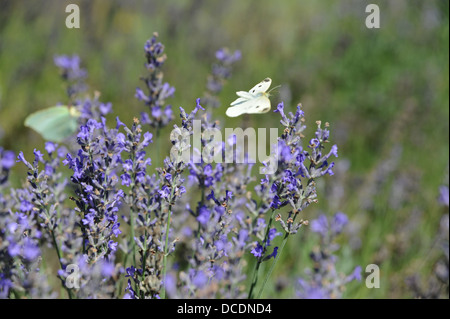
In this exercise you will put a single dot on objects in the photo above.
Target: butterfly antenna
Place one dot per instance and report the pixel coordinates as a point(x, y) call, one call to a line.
point(275, 87)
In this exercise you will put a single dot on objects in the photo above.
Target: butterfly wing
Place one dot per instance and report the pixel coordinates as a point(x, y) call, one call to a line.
point(54, 123)
point(257, 105)
point(239, 101)
point(245, 95)
point(261, 87)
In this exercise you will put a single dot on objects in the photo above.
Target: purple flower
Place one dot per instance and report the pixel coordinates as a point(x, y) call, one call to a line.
point(67, 62)
point(50, 147)
point(6, 159)
point(355, 275)
point(276, 203)
point(156, 112)
point(200, 279)
point(88, 219)
point(339, 222)
point(21, 158)
point(108, 269)
point(333, 150)
point(116, 230)
point(72, 73)
point(221, 71)
point(305, 290)
point(5, 286)
point(271, 235)
point(320, 225)
point(227, 57)
point(443, 196)
point(30, 250)
point(131, 294)
point(84, 133)
point(26, 206)
point(257, 251)
point(130, 271)
point(126, 179)
point(112, 245)
point(147, 139)
point(203, 216)
point(105, 108)
point(273, 254)
point(128, 165)
point(280, 109)
point(242, 238)
point(164, 192)
point(13, 249)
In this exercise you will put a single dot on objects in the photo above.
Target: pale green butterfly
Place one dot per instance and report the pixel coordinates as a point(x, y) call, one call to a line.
point(254, 101)
point(55, 123)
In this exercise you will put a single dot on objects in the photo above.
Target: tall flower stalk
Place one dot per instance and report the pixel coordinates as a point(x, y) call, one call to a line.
point(293, 185)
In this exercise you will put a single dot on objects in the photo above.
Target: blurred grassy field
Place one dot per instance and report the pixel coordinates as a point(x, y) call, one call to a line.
point(384, 91)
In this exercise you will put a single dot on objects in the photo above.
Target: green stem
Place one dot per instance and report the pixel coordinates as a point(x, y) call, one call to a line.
point(58, 252)
point(254, 279)
point(158, 150)
point(144, 261)
point(166, 242)
point(260, 259)
point(273, 265)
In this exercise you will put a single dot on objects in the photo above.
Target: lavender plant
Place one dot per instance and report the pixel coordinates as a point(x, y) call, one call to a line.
point(113, 223)
point(292, 185)
point(156, 90)
point(217, 243)
point(324, 281)
point(220, 73)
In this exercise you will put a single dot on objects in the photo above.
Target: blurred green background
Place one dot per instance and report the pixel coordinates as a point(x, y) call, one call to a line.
point(384, 91)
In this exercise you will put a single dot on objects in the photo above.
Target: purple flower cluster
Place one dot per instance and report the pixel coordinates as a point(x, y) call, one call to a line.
point(72, 73)
point(27, 218)
point(115, 221)
point(220, 73)
point(324, 281)
point(156, 90)
point(74, 77)
point(151, 201)
point(292, 186)
point(95, 176)
point(7, 161)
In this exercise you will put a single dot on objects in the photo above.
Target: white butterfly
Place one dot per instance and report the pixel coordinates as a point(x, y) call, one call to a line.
point(254, 101)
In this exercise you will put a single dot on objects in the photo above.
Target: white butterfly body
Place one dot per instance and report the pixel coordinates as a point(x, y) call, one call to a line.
point(254, 101)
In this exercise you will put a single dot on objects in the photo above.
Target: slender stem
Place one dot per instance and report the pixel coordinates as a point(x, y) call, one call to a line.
point(133, 218)
point(158, 150)
point(254, 279)
point(133, 242)
point(166, 242)
point(144, 261)
point(273, 265)
point(58, 252)
point(260, 259)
